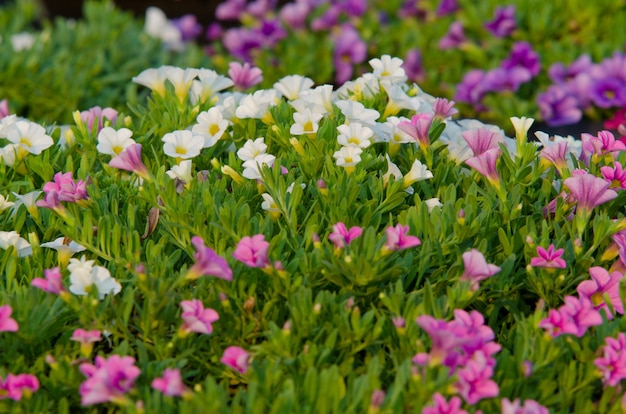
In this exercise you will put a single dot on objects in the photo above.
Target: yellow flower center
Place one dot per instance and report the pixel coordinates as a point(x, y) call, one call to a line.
point(308, 126)
point(181, 150)
point(25, 141)
point(214, 129)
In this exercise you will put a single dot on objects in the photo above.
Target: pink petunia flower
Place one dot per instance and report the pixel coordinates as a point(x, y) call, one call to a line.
point(14, 386)
point(244, 76)
point(4, 109)
point(482, 139)
point(341, 236)
point(196, 318)
point(589, 191)
point(549, 259)
point(476, 268)
point(96, 115)
point(66, 188)
point(485, 164)
point(108, 380)
point(7, 324)
point(170, 383)
point(252, 251)
point(474, 380)
point(397, 238)
point(441, 406)
point(615, 176)
point(574, 317)
point(130, 160)
point(602, 284)
point(529, 407)
point(52, 282)
point(556, 154)
point(208, 262)
point(237, 358)
point(444, 108)
point(612, 364)
point(418, 128)
point(86, 339)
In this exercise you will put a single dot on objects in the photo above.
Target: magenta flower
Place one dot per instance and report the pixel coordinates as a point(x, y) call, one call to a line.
point(208, 263)
point(446, 7)
point(51, 201)
point(7, 324)
point(441, 406)
point(589, 191)
point(476, 268)
point(244, 76)
point(523, 56)
point(237, 358)
point(605, 143)
point(556, 154)
point(503, 23)
point(66, 188)
point(549, 259)
point(170, 383)
point(196, 318)
point(454, 38)
point(4, 109)
point(574, 317)
point(252, 251)
point(612, 364)
point(485, 164)
point(615, 176)
point(108, 380)
point(602, 284)
point(529, 407)
point(96, 115)
point(14, 386)
point(52, 282)
point(482, 139)
point(86, 339)
point(474, 380)
point(341, 236)
point(397, 238)
point(418, 128)
point(130, 160)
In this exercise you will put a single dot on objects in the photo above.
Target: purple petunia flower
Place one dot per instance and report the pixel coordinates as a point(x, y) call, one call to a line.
point(503, 23)
point(559, 107)
point(349, 50)
point(454, 37)
point(446, 7)
point(559, 73)
point(471, 89)
point(608, 92)
point(523, 55)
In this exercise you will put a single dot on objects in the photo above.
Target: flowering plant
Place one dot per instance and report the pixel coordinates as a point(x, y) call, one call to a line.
point(303, 248)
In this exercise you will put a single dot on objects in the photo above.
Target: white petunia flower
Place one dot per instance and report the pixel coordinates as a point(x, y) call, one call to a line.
point(181, 79)
point(84, 275)
point(291, 86)
point(182, 144)
point(211, 125)
point(29, 137)
point(8, 154)
point(318, 100)
point(431, 203)
point(418, 172)
point(209, 83)
point(112, 142)
point(65, 247)
point(252, 168)
point(392, 171)
point(398, 99)
point(158, 26)
point(13, 239)
point(388, 68)
point(5, 203)
point(22, 41)
point(270, 205)
point(252, 149)
point(257, 105)
point(306, 122)
point(348, 156)
point(5, 123)
point(398, 136)
point(356, 112)
point(181, 171)
point(27, 200)
point(228, 103)
point(354, 135)
point(153, 79)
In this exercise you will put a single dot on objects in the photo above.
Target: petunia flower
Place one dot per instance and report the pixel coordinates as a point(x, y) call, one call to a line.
point(476, 268)
point(516, 407)
point(108, 380)
point(86, 339)
point(354, 135)
point(588, 191)
point(5, 203)
point(7, 324)
point(388, 68)
point(113, 142)
point(615, 176)
point(84, 275)
point(348, 157)
point(207, 262)
point(485, 164)
point(418, 172)
point(503, 23)
point(196, 318)
point(474, 381)
point(237, 358)
point(15, 386)
point(602, 284)
point(244, 76)
point(153, 79)
point(341, 236)
point(252, 251)
point(96, 115)
point(182, 144)
point(293, 85)
point(13, 239)
point(550, 259)
point(441, 406)
point(66, 188)
point(171, 383)
point(211, 125)
point(574, 317)
point(305, 122)
point(418, 128)
point(29, 137)
point(130, 160)
point(612, 364)
point(398, 239)
point(52, 282)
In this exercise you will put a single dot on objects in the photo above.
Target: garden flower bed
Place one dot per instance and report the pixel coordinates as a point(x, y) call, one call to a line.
point(224, 245)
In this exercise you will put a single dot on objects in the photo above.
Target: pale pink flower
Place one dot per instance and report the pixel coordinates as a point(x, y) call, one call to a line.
point(237, 358)
point(550, 259)
point(589, 191)
point(244, 76)
point(556, 154)
point(196, 318)
point(96, 115)
point(485, 164)
point(170, 383)
point(7, 324)
point(86, 339)
point(341, 236)
point(252, 251)
point(529, 407)
point(444, 108)
point(482, 139)
point(52, 282)
point(208, 263)
point(66, 188)
point(108, 380)
point(441, 406)
point(602, 284)
point(418, 128)
point(14, 386)
point(476, 268)
point(398, 239)
point(574, 317)
point(4, 109)
point(130, 160)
